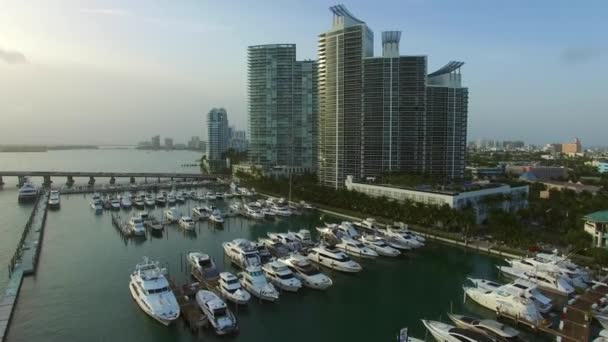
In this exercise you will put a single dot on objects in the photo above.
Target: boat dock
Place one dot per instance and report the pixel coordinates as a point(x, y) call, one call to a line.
point(24, 261)
point(192, 316)
point(121, 226)
point(577, 314)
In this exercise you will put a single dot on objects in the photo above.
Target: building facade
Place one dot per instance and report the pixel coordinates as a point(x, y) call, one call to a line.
point(238, 141)
point(596, 224)
point(156, 142)
point(282, 107)
point(572, 148)
point(169, 143)
point(217, 133)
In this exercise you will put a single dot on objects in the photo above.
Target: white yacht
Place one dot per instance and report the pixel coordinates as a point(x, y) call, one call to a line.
point(96, 203)
point(200, 213)
point(403, 237)
point(28, 191)
point(276, 248)
point(253, 280)
point(501, 301)
point(54, 199)
point(306, 272)
point(281, 276)
point(369, 224)
point(330, 256)
point(172, 215)
point(125, 202)
point(218, 314)
point(378, 245)
point(200, 197)
point(161, 200)
point(219, 195)
point(115, 203)
point(136, 225)
point(253, 211)
point(151, 291)
point(356, 248)
point(230, 288)
point(149, 201)
point(551, 282)
point(577, 277)
point(303, 237)
point(171, 198)
point(287, 239)
point(186, 222)
point(210, 196)
point(281, 210)
point(488, 327)
point(179, 198)
point(216, 215)
point(443, 332)
point(139, 202)
point(520, 287)
point(204, 265)
point(242, 253)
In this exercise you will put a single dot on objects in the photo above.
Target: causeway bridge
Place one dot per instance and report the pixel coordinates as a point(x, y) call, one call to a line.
point(48, 175)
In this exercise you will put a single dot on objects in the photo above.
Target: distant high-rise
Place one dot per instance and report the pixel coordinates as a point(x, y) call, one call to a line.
point(156, 142)
point(217, 133)
point(169, 143)
point(340, 85)
point(238, 140)
point(282, 107)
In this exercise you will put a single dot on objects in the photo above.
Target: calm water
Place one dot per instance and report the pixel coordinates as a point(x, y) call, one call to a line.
point(80, 291)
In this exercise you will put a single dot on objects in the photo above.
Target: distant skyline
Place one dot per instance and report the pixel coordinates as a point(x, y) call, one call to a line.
point(115, 72)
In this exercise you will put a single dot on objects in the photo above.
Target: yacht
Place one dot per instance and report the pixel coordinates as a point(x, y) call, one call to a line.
point(204, 265)
point(403, 237)
point(334, 258)
point(107, 203)
point(218, 314)
point(210, 196)
point(151, 291)
point(268, 213)
point(378, 245)
point(54, 199)
point(275, 247)
point(265, 255)
point(520, 287)
point(287, 239)
point(305, 205)
point(219, 195)
point(186, 222)
point(179, 198)
point(200, 197)
point(115, 203)
point(149, 201)
point(303, 237)
point(216, 215)
point(136, 225)
point(230, 288)
point(172, 215)
point(125, 202)
point(280, 210)
point(448, 333)
point(504, 302)
point(306, 272)
point(139, 202)
point(96, 203)
point(577, 277)
point(253, 280)
point(253, 211)
point(356, 248)
point(171, 198)
point(368, 224)
point(160, 200)
point(200, 213)
point(242, 253)
point(281, 276)
point(551, 282)
point(28, 192)
point(488, 327)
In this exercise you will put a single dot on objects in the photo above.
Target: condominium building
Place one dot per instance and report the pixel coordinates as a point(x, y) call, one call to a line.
point(169, 143)
point(217, 133)
point(282, 107)
point(156, 142)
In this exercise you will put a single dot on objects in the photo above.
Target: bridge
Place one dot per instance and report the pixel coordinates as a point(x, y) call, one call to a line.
point(47, 175)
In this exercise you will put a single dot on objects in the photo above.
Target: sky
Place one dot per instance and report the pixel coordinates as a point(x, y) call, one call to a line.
point(118, 72)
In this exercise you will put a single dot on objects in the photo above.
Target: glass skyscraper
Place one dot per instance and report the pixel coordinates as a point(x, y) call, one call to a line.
point(217, 133)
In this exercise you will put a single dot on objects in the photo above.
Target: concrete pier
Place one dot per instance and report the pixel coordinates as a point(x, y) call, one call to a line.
point(1, 181)
point(91, 180)
point(70, 181)
point(47, 181)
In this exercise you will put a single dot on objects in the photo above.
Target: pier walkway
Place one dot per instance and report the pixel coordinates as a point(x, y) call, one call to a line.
point(24, 261)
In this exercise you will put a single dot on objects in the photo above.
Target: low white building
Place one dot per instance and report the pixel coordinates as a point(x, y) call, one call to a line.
point(514, 198)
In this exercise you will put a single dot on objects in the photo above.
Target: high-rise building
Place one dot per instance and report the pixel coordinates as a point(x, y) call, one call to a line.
point(572, 148)
point(282, 107)
point(169, 143)
point(340, 85)
point(156, 142)
point(194, 143)
point(394, 95)
point(238, 140)
point(217, 133)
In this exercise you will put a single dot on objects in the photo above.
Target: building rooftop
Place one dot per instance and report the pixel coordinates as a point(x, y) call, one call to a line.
point(598, 216)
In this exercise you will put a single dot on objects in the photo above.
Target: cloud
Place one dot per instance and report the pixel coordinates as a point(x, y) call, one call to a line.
point(12, 57)
point(578, 55)
point(117, 12)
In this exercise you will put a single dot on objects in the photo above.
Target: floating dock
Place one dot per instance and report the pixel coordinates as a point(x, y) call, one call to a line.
point(191, 314)
point(121, 226)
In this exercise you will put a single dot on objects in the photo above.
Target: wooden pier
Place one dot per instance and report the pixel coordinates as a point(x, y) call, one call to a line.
point(191, 314)
point(121, 226)
point(577, 315)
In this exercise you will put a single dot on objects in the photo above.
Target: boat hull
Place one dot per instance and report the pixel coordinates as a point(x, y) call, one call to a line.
point(143, 307)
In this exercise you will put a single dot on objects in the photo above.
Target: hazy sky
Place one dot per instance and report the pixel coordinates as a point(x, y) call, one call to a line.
point(120, 71)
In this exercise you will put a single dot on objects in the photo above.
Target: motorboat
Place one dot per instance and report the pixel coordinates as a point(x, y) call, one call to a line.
point(186, 222)
point(404, 336)
point(230, 289)
point(287, 239)
point(107, 203)
point(520, 287)
point(179, 198)
point(356, 248)
point(172, 215)
point(54, 199)
point(136, 225)
point(200, 213)
point(379, 245)
point(151, 291)
point(265, 255)
point(332, 257)
point(253, 211)
point(303, 236)
point(125, 202)
point(219, 195)
point(200, 197)
point(489, 327)
point(268, 213)
point(368, 224)
point(242, 253)
point(275, 247)
point(577, 277)
point(150, 221)
point(500, 301)
point(27, 192)
point(253, 280)
point(305, 205)
point(280, 210)
point(210, 196)
point(403, 237)
point(448, 333)
point(149, 201)
point(221, 318)
point(115, 203)
point(96, 203)
point(160, 200)
point(139, 202)
point(281, 276)
point(307, 272)
point(548, 281)
point(204, 265)
point(171, 199)
point(216, 215)
point(236, 208)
